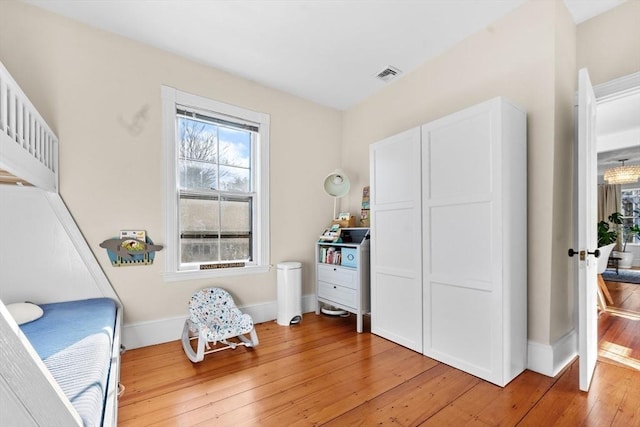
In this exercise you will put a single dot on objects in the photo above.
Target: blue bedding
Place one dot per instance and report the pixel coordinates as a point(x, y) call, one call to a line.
point(74, 340)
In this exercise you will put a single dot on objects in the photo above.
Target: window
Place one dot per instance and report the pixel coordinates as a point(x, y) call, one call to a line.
point(630, 209)
point(216, 187)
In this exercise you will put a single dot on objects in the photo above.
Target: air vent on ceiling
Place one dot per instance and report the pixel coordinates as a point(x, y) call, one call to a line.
point(388, 74)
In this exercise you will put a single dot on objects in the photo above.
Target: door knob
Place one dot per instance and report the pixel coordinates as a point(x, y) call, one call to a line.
point(595, 253)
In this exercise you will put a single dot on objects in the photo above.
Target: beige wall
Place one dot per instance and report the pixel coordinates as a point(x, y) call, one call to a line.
point(609, 44)
point(515, 58)
point(87, 82)
point(531, 56)
point(561, 296)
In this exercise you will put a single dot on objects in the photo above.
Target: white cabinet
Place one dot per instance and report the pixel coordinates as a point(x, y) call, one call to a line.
point(471, 279)
point(396, 245)
point(342, 273)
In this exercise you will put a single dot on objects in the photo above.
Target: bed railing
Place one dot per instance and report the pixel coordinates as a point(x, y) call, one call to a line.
point(28, 147)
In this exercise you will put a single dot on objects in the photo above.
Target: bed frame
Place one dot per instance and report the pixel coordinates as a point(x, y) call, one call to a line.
point(35, 226)
point(28, 147)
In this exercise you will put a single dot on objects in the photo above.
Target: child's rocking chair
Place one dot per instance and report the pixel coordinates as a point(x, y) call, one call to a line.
point(213, 318)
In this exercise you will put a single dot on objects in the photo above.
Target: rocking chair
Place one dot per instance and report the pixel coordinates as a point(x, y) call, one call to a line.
point(215, 319)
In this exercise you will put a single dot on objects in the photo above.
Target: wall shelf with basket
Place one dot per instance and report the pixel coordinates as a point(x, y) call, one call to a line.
point(131, 248)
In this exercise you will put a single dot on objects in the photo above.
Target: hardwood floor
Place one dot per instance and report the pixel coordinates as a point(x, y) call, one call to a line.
point(322, 372)
point(626, 296)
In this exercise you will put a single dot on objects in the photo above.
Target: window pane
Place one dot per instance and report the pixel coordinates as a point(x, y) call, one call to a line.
point(235, 160)
point(235, 179)
point(198, 250)
point(235, 249)
point(630, 209)
point(198, 140)
point(236, 230)
point(197, 175)
point(203, 220)
point(199, 228)
point(235, 147)
point(236, 216)
point(199, 216)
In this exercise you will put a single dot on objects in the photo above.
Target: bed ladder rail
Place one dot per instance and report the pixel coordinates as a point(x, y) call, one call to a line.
point(28, 147)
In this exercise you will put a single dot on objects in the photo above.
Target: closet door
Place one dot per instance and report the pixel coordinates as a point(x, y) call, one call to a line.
point(474, 215)
point(396, 239)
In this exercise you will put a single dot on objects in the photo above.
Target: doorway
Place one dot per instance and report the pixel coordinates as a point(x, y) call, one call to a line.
point(618, 142)
point(618, 138)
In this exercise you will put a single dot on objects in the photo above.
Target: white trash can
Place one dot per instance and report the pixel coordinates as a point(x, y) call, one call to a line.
point(289, 293)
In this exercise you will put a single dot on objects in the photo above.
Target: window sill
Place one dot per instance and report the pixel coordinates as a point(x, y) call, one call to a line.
point(175, 276)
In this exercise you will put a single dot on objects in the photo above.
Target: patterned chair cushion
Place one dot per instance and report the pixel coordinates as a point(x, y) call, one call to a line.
point(214, 310)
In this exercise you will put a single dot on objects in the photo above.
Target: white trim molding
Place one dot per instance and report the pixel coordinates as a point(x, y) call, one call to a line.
point(174, 270)
point(160, 331)
point(550, 359)
point(618, 88)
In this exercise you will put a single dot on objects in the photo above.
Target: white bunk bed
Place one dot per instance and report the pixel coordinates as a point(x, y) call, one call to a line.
point(44, 259)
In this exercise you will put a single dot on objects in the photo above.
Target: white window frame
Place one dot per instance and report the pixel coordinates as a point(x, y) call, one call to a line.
point(631, 188)
point(171, 98)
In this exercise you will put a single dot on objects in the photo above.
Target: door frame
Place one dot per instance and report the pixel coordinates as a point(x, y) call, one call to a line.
point(608, 91)
point(617, 88)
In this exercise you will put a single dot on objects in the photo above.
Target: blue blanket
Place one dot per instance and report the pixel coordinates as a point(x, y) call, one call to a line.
point(74, 340)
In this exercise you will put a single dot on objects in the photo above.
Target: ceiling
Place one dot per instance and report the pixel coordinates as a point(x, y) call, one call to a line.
point(618, 130)
point(327, 51)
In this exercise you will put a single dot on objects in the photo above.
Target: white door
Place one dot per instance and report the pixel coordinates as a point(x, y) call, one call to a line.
point(461, 258)
point(586, 188)
point(396, 239)
point(474, 240)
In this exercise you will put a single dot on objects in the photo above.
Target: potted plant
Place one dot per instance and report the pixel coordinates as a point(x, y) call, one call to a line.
point(607, 238)
point(608, 233)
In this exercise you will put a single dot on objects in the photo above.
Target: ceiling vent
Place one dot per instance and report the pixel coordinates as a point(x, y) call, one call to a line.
point(388, 74)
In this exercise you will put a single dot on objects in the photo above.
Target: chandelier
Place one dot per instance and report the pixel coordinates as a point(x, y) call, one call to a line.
point(622, 174)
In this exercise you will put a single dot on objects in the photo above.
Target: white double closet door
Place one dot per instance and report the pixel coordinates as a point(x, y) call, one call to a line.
point(448, 260)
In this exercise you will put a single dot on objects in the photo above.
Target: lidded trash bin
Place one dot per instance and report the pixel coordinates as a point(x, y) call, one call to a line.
point(289, 293)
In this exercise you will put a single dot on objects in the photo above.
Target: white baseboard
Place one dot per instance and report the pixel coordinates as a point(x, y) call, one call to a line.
point(159, 331)
point(548, 359)
point(544, 359)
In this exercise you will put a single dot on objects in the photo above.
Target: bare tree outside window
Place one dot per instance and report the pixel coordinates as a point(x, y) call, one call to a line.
point(215, 161)
point(213, 157)
point(216, 187)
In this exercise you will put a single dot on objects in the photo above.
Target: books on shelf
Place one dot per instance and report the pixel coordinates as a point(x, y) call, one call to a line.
point(342, 252)
point(134, 234)
point(330, 255)
point(331, 234)
point(365, 197)
point(364, 212)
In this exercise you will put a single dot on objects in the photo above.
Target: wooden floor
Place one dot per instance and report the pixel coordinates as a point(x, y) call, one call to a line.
point(626, 296)
point(322, 372)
